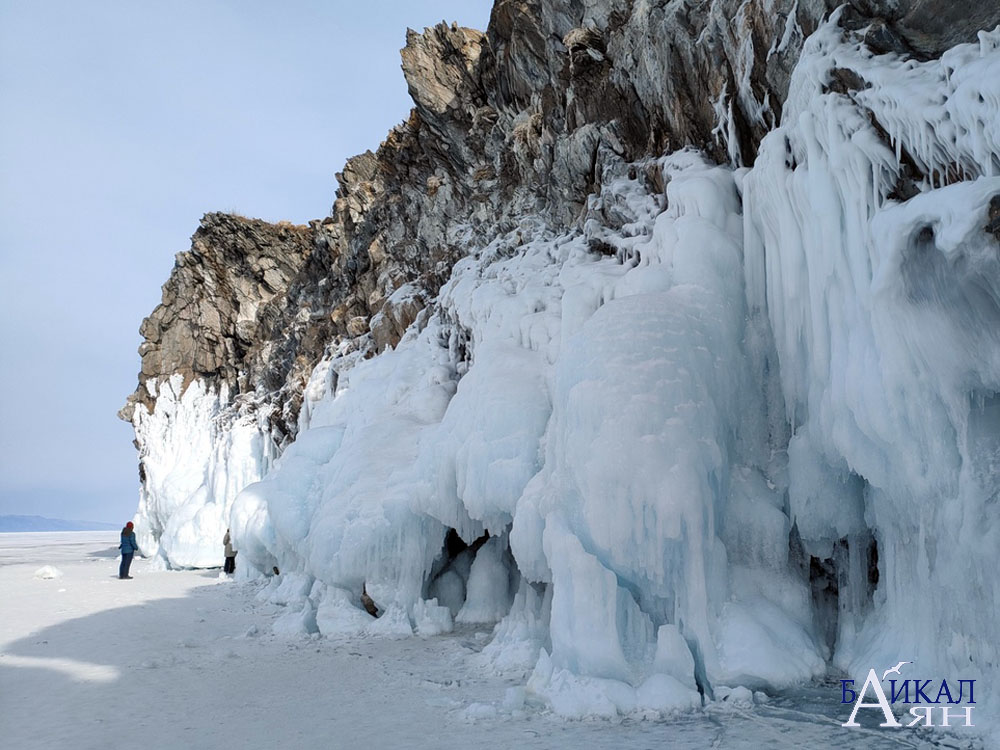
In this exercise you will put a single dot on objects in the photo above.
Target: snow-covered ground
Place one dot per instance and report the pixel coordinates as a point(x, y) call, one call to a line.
point(182, 659)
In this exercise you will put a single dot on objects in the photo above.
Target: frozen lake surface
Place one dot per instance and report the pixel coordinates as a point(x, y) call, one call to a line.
point(182, 659)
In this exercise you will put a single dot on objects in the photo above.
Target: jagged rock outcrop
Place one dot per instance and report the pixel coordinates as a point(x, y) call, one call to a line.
point(221, 302)
point(522, 118)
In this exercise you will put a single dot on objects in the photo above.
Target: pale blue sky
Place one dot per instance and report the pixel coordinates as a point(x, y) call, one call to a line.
point(121, 123)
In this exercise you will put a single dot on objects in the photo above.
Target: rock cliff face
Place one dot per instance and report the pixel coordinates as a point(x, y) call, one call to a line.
point(519, 119)
point(221, 305)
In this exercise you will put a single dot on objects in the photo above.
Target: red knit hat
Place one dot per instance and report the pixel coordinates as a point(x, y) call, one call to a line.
point(128, 525)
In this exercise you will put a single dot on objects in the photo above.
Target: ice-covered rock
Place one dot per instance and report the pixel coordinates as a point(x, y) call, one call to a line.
point(724, 417)
point(884, 307)
point(361, 497)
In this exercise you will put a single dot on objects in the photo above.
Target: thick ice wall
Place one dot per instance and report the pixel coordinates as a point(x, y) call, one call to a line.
point(398, 455)
point(600, 406)
point(486, 448)
point(653, 407)
point(886, 320)
point(343, 502)
point(196, 459)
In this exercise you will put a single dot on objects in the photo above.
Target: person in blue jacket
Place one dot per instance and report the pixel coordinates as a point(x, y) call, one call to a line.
point(129, 546)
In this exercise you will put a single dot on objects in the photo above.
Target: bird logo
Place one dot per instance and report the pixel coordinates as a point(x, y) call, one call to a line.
point(895, 669)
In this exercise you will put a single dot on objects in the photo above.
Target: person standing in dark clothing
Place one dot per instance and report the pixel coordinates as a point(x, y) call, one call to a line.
point(129, 546)
point(230, 554)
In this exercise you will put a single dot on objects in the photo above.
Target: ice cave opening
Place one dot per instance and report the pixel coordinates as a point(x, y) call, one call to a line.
point(842, 583)
point(476, 581)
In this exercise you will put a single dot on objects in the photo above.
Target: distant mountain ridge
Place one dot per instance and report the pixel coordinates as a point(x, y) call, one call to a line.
point(11, 524)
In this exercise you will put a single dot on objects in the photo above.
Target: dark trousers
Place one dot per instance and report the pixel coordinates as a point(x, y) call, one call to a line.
point(126, 564)
point(230, 566)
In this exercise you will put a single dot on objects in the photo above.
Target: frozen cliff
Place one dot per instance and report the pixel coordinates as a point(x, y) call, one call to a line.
point(663, 336)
